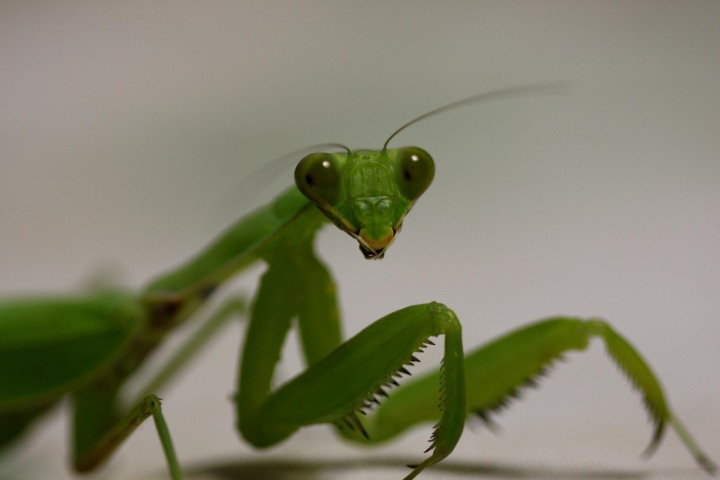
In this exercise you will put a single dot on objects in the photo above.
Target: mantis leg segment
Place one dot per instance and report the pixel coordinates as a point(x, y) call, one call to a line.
point(318, 314)
point(497, 371)
point(89, 455)
point(643, 378)
point(270, 317)
point(296, 284)
point(354, 376)
point(705, 462)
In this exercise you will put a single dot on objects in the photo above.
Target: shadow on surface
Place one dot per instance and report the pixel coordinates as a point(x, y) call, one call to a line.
point(301, 470)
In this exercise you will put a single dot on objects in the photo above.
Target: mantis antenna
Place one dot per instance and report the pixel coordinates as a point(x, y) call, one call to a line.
point(510, 92)
point(267, 172)
point(248, 188)
point(270, 170)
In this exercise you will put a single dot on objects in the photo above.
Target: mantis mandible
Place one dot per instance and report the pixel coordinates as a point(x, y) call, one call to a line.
point(87, 346)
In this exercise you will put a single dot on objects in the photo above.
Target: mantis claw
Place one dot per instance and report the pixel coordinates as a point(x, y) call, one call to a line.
point(352, 421)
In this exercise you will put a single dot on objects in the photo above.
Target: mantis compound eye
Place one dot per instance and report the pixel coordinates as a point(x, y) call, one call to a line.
point(317, 176)
point(414, 171)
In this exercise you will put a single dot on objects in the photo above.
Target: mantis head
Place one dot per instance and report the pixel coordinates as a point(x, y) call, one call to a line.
point(366, 193)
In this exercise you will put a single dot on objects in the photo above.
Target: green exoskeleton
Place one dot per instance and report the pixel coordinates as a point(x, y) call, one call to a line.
point(88, 345)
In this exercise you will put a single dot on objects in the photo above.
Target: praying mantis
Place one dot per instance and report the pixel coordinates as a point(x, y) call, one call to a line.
point(86, 346)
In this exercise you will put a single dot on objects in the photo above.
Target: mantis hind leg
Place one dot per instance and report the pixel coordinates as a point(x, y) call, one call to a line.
point(99, 430)
point(496, 372)
point(90, 451)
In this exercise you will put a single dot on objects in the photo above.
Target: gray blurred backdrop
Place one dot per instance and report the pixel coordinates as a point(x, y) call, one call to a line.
point(123, 126)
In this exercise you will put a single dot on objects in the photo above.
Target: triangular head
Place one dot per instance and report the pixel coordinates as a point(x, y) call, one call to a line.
point(366, 193)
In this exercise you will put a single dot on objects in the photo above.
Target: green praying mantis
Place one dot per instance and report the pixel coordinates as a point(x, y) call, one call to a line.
point(88, 345)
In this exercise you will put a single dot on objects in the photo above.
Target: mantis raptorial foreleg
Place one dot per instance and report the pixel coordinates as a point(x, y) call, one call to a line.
point(371, 359)
point(297, 284)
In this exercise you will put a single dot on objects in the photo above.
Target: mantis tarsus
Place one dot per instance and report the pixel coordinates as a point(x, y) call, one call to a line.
point(86, 346)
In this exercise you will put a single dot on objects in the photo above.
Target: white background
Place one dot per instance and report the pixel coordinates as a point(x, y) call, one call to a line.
point(123, 125)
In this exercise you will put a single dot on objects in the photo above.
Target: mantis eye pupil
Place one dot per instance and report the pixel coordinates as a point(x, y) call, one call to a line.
point(407, 175)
